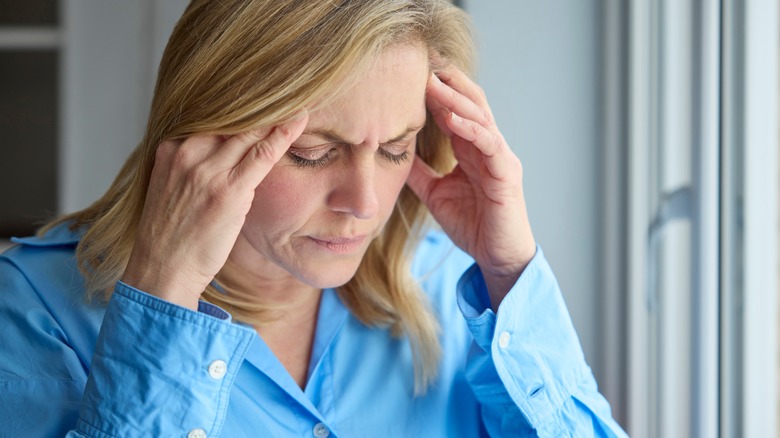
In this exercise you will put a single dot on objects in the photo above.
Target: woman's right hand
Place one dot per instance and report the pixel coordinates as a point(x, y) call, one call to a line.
point(199, 194)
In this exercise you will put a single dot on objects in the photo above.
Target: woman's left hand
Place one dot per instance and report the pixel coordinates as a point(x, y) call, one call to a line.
point(480, 204)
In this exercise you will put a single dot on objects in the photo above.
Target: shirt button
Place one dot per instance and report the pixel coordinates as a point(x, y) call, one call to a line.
point(320, 431)
point(503, 339)
point(197, 433)
point(217, 370)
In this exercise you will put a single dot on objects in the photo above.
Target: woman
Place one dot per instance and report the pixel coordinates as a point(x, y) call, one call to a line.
point(250, 269)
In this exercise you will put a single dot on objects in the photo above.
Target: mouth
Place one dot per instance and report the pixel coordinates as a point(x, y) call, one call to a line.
point(340, 245)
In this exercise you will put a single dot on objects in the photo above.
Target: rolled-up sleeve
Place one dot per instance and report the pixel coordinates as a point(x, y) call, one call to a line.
point(526, 366)
point(160, 369)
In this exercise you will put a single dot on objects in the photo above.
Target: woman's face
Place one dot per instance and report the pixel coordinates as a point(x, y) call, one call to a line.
point(316, 212)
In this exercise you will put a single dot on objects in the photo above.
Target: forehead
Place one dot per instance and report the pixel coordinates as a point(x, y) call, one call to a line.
point(387, 97)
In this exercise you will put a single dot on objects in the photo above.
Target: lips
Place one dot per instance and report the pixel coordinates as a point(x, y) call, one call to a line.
point(340, 245)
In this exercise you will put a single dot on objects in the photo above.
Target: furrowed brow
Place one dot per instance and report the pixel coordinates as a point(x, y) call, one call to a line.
point(403, 135)
point(333, 137)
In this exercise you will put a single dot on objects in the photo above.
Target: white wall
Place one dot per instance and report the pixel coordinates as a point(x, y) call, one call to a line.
point(111, 53)
point(540, 67)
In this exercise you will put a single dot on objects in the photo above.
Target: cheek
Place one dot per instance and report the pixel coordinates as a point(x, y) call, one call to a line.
point(287, 200)
point(279, 201)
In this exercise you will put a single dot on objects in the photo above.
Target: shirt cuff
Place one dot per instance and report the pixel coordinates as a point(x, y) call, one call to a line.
point(156, 302)
point(474, 300)
point(531, 341)
point(160, 369)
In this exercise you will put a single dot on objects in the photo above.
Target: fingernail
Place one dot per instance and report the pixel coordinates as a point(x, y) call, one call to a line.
point(456, 118)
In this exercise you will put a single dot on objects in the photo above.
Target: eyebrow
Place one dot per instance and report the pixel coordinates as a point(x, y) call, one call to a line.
point(333, 137)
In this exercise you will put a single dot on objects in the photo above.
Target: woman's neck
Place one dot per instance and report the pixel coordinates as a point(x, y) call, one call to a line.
point(292, 306)
point(268, 284)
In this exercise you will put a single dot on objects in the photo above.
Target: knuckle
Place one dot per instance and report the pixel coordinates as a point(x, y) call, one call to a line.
point(216, 194)
point(248, 137)
point(487, 117)
point(481, 93)
point(252, 136)
point(164, 150)
point(180, 156)
point(285, 131)
point(262, 151)
point(198, 176)
point(498, 143)
point(453, 95)
point(476, 129)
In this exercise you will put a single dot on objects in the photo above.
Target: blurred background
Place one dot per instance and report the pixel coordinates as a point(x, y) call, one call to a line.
point(648, 130)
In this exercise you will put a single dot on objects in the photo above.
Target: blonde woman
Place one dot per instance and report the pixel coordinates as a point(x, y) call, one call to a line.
point(256, 268)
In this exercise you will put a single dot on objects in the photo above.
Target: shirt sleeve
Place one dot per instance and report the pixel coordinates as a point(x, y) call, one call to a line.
point(526, 366)
point(160, 369)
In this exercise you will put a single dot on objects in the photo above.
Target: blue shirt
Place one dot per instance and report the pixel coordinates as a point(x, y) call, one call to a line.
point(141, 366)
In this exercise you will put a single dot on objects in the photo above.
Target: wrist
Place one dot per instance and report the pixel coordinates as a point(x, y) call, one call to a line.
point(498, 288)
point(170, 288)
point(499, 280)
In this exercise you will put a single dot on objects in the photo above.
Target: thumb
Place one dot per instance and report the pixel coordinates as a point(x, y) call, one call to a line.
point(422, 179)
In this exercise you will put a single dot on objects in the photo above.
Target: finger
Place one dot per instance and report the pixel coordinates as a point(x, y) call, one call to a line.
point(261, 156)
point(232, 150)
point(456, 102)
point(422, 179)
point(468, 157)
point(460, 81)
point(491, 145)
point(440, 114)
point(487, 141)
point(235, 147)
point(185, 153)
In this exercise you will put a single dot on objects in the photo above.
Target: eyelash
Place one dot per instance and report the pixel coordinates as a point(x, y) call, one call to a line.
point(396, 159)
point(319, 162)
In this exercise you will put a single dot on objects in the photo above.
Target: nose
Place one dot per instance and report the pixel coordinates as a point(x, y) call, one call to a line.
point(355, 193)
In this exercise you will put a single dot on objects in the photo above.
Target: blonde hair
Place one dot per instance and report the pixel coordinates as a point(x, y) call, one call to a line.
point(231, 65)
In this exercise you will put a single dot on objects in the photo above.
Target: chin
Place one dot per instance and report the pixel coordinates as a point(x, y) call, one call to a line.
point(328, 283)
point(327, 277)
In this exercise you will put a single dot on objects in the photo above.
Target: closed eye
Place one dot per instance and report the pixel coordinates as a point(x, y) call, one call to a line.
point(311, 158)
point(395, 158)
point(318, 157)
point(397, 151)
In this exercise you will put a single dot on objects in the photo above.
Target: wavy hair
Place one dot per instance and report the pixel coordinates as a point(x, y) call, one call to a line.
point(231, 65)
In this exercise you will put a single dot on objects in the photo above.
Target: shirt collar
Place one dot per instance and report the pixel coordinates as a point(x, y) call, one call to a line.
point(60, 235)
